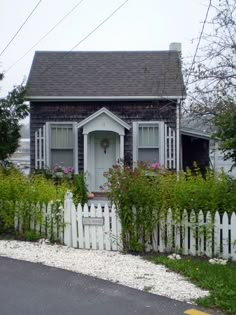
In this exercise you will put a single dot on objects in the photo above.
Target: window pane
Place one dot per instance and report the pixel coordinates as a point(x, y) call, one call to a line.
point(62, 157)
point(148, 136)
point(61, 137)
point(148, 155)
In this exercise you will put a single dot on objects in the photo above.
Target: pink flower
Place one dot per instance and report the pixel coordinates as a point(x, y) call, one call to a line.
point(155, 166)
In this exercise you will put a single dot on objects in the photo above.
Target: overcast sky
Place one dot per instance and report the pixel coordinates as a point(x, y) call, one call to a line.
point(138, 25)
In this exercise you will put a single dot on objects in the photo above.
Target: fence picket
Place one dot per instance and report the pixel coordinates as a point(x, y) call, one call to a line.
point(49, 221)
point(107, 227)
point(161, 234)
point(80, 226)
point(169, 234)
point(201, 227)
point(119, 231)
point(185, 232)
point(155, 239)
point(217, 228)
point(86, 228)
point(114, 236)
point(225, 235)
point(73, 226)
point(209, 240)
point(67, 219)
point(192, 227)
point(93, 229)
point(100, 232)
point(233, 236)
point(44, 220)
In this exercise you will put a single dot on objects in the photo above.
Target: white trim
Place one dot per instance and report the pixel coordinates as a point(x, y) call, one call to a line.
point(36, 150)
point(177, 136)
point(103, 111)
point(40, 148)
point(44, 146)
point(194, 133)
point(135, 143)
point(85, 153)
point(100, 98)
point(75, 142)
point(122, 147)
point(75, 134)
point(161, 145)
point(47, 144)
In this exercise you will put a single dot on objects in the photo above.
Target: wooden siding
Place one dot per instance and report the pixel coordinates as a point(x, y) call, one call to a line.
point(129, 111)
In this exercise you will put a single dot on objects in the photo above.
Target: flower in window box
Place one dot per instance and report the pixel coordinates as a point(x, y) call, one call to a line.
point(90, 195)
point(155, 166)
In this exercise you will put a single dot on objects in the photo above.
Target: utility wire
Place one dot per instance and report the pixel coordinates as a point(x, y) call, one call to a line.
point(83, 39)
point(99, 25)
point(198, 44)
point(44, 36)
point(34, 9)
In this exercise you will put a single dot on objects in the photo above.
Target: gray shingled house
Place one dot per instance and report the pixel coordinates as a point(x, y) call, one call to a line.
point(91, 109)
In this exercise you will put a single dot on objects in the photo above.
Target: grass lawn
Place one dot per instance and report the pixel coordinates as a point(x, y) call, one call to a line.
point(218, 279)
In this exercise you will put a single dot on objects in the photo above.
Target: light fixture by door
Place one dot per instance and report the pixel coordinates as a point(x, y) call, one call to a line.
point(105, 144)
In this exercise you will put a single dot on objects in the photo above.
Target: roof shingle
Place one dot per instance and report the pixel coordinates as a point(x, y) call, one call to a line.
point(98, 74)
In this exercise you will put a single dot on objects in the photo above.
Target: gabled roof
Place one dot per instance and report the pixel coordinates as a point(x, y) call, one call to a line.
point(100, 112)
point(124, 74)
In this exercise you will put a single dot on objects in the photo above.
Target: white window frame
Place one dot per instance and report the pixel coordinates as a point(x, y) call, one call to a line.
point(75, 141)
point(161, 141)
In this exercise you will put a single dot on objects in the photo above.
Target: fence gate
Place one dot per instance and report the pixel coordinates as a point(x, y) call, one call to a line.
point(91, 227)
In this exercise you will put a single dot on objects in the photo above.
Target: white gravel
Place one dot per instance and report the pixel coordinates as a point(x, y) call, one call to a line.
point(131, 271)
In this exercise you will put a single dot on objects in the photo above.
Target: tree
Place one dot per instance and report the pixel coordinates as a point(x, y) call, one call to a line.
point(12, 109)
point(226, 133)
point(212, 77)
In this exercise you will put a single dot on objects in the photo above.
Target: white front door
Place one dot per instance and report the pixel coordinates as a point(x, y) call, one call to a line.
point(105, 147)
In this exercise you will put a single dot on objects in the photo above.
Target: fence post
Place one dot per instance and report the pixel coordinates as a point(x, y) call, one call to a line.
point(67, 219)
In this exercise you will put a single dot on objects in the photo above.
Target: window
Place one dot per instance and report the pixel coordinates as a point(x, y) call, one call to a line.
point(62, 144)
point(148, 140)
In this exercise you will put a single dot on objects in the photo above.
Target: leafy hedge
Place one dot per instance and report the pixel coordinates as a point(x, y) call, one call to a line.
point(152, 191)
point(22, 199)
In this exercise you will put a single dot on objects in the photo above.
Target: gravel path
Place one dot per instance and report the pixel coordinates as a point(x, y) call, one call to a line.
point(128, 270)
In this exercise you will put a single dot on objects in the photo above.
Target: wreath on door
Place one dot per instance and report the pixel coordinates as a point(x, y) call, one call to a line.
point(105, 144)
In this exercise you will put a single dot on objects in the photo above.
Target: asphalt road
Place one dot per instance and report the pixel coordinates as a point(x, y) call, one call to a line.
point(27, 288)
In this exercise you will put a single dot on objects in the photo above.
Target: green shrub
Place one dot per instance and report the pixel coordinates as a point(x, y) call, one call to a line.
point(153, 191)
point(79, 189)
point(32, 236)
point(22, 199)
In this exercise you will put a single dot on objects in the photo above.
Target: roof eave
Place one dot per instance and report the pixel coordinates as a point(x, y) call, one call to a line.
point(195, 133)
point(102, 98)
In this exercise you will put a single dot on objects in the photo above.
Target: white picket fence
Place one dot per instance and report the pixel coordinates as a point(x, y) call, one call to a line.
point(44, 219)
point(91, 227)
point(198, 235)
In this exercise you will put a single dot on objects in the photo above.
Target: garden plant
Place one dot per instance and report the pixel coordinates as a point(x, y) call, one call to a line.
point(144, 194)
point(24, 201)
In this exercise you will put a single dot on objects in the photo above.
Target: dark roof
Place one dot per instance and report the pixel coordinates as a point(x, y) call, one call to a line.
point(197, 127)
point(124, 73)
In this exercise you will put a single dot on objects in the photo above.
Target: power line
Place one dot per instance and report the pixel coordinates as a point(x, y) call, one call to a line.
point(44, 36)
point(89, 34)
point(99, 25)
point(20, 28)
point(198, 44)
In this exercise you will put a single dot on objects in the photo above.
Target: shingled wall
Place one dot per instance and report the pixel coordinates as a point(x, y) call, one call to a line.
point(129, 111)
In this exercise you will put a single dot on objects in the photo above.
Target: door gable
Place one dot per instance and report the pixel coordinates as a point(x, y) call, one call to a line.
point(103, 120)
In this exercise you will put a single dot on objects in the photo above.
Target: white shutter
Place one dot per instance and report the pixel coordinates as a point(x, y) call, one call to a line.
point(170, 148)
point(40, 148)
